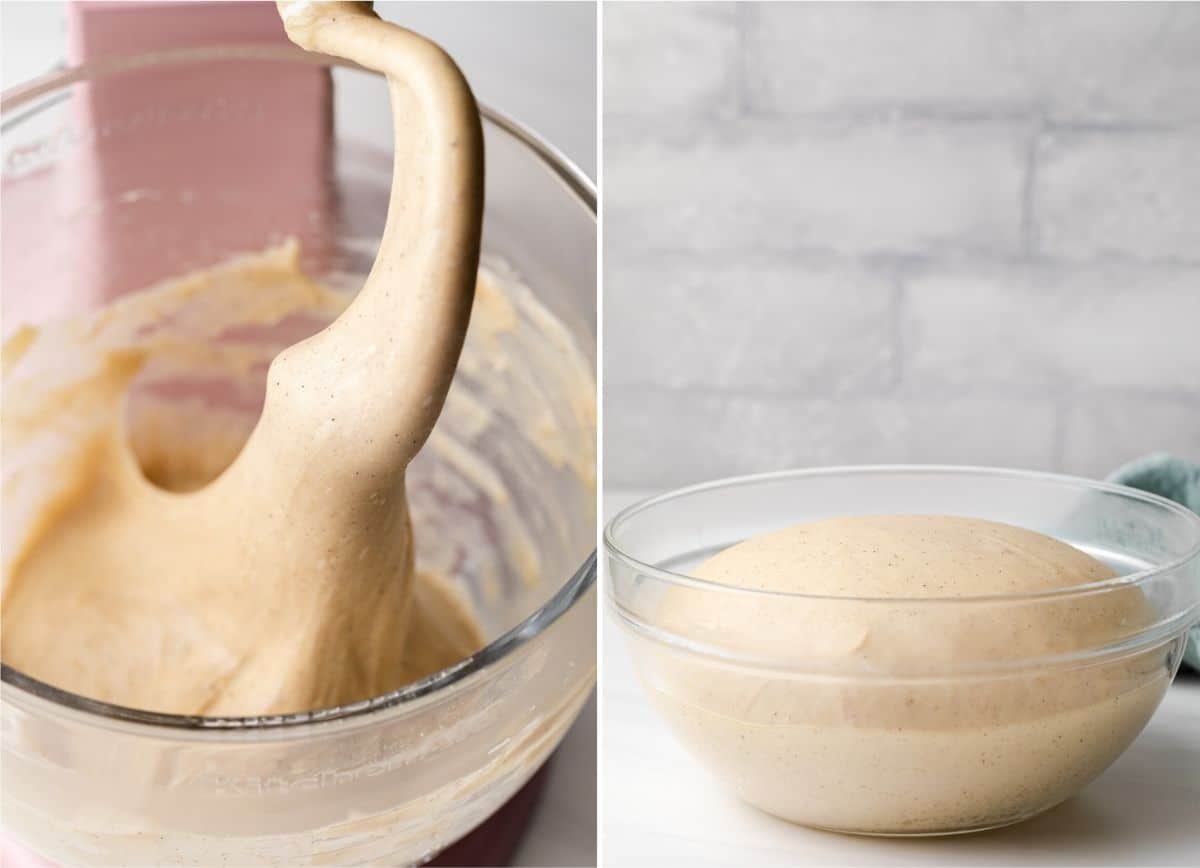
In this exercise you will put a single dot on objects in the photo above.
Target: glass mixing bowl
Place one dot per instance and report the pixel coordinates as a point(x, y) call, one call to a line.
point(124, 172)
point(905, 716)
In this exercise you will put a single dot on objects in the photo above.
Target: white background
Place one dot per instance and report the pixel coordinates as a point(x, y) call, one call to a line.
point(537, 62)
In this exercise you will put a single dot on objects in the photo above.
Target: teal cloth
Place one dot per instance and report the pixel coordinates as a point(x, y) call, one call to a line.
point(1175, 479)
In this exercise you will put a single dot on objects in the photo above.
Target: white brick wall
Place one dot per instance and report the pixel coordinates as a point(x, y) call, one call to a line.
point(663, 436)
point(1092, 63)
point(1130, 195)
point(752, 325)
point(842, 233)
point(748, 184)
point(693, 70)
point(1038, 328)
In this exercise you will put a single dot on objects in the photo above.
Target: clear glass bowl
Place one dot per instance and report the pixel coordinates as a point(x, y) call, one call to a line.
point(127, 171)
point(905, 716)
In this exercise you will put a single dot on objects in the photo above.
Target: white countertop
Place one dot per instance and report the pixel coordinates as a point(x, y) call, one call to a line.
point(659, 807)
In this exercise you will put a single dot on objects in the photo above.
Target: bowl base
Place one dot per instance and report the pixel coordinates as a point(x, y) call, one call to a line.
point(924, 833)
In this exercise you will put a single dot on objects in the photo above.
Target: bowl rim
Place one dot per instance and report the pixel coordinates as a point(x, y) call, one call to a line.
point(615, 551)
point(577, 184)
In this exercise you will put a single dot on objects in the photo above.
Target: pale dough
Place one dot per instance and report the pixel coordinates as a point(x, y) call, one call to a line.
point(285, 582)
point(853, 723)
point(93, 606)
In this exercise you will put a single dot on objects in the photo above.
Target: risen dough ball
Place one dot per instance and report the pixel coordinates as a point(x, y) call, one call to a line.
point(899, 695)
point(903, 556)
